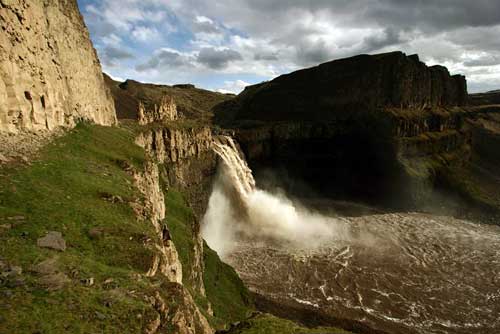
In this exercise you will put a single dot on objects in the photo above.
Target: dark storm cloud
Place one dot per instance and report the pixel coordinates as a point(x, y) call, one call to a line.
point(490, 60)
point(389, 37)
point(271, 37)
point(110, 55)
point(217, 59)
point(266, 56)
point(165, 59)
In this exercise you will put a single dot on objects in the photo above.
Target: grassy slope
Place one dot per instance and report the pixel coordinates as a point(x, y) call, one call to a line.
point(264, 324)
point(224, 290)
point(63, 191)
point(192, 103)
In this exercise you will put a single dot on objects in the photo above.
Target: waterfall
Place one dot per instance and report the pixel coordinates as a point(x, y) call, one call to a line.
point(235, 165)
point(239, 209)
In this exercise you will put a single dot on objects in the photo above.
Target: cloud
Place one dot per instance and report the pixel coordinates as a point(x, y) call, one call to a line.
point(203, 24)
point(388, 37)
point(233, 87)
point(145, 34)
point(217, 58)
point(485, 60)
point(166, 58)
point(267, 38)
point(111, 55)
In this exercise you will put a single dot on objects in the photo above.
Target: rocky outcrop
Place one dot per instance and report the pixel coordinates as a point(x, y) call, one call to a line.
point(188, 165)
point(170, 145)
point(177, 312)
point(376, 128)
point(166, 260)
point(341, 88)
point(191, 103)
point(164, 112)
point(49, 72)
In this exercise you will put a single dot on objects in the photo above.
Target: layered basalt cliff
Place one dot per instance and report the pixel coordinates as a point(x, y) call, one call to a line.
point(340, 88)
point(376, 128)
point(49, 72)
point(188, 164)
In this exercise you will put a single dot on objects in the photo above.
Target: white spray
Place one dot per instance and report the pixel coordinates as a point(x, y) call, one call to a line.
point(237, 208)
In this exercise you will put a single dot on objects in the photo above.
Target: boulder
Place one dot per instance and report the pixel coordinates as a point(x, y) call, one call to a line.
point(52, 240)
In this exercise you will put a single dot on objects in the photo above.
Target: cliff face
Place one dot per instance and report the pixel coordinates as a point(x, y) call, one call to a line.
point(337, 89)
point(49, 72)
point(378, 128)
point(188, 164)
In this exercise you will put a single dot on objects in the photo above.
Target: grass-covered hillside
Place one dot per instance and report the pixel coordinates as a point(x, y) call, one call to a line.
point(73, 255)
point(192, 103)
point(265, 323)
point(79, 188)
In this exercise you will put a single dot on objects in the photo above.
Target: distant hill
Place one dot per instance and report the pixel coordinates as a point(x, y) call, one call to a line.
point(488, 98)
point(192, 102)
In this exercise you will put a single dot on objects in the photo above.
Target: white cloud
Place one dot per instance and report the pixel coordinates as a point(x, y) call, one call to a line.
point(267, 38)
point(233, 87)
point(145, 34)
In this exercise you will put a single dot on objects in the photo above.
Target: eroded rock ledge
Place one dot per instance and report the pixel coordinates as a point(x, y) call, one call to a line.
point(49, 72)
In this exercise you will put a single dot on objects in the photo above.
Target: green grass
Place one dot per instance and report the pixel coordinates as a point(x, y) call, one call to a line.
point(63, 191)
point(225, 291)
point(268, 324)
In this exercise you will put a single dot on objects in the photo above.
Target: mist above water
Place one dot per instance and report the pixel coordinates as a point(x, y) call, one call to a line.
point(238, 209)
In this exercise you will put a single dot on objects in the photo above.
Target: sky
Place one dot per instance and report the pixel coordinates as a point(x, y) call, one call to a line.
point(225, 45)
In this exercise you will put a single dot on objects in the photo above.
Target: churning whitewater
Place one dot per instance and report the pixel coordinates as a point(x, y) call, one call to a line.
point(237, 208)
point(402, 273)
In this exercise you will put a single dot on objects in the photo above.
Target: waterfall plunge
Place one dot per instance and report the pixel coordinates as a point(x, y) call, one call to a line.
point(238, 209)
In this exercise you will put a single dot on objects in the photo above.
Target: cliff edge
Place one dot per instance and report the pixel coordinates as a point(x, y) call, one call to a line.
point(50, 75)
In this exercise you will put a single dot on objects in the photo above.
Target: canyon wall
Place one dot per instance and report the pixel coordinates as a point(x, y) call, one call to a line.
point(187, 163)
point(338, 89)
point(376, 128)
point(50, 75)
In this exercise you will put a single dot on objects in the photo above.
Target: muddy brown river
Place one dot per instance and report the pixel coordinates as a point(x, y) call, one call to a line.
point(398, 273)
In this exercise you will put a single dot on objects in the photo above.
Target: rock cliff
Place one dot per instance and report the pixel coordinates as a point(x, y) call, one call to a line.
point(337, 89)
point(380, 128)
point(163, 112)
point(50, 75)
point(187, 163)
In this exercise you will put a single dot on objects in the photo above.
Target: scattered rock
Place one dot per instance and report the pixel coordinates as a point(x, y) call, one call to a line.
point(7, 293)
point(100, 316)
point(46, 267)
point(16, 218)
point(3, 158)
point(16, 271)
point(88, 281)
point(54, 282)
point(112, 198)
point(3, 265)
point(5, 228)
point(10, 272)
point(52, 240)
point(74, 273)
